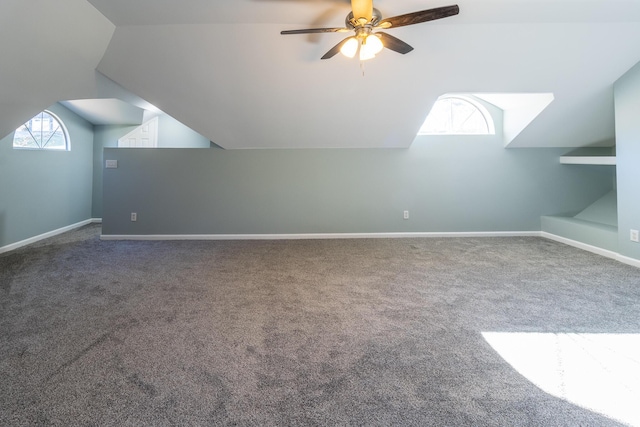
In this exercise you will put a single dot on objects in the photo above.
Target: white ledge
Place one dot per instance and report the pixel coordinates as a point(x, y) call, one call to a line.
point(588, 160)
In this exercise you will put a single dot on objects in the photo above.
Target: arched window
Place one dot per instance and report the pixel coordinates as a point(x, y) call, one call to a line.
point(43, 132)
point(457, 115)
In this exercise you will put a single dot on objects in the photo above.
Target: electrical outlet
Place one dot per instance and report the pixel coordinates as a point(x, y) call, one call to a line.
point(111, 164)
point(134, 216)
point(406, 215)
point(634, 236)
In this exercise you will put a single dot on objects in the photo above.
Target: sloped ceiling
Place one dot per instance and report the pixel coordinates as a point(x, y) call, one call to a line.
point(49, 51)
point(223, 69)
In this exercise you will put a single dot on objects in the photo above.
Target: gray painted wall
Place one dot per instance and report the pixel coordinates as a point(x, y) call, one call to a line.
point(103, 136)
point(627, 107)
point(171, 133)
point(42, 190)
point(447, 184)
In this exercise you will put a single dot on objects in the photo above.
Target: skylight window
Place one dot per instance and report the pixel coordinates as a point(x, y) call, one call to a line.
point(43, 132)
point(457, 115)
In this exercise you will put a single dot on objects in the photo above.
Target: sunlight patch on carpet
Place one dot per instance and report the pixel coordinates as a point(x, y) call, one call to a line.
point(599, 372)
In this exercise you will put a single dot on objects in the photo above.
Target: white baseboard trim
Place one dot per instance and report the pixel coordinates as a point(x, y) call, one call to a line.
point(590, 248)
point(46, 235)
point(594, 249)
point(302, 236)
point(308, 236)
point(629, 261)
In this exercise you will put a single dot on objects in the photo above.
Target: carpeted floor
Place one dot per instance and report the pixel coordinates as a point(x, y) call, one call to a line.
point(371, 332)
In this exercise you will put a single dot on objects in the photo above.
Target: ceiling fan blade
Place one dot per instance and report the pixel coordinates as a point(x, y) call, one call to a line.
point(418, 17)
point(334, 50)
point(362, 9)
point(316, 30)
point(394, 43)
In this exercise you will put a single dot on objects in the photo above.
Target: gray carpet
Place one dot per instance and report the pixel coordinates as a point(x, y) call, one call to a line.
point(372, 332)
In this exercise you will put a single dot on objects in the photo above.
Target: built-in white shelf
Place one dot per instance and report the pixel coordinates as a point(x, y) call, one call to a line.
point(588, 160)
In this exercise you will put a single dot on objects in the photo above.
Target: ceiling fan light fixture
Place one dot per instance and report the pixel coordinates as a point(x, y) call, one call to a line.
point(350, 47)
point(371, 45)
point(364, 19)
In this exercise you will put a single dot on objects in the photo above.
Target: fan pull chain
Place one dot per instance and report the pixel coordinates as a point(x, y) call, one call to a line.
point(362, 67)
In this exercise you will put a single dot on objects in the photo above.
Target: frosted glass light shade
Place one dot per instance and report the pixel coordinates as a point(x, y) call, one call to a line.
point(350, 47)
point(374, 43)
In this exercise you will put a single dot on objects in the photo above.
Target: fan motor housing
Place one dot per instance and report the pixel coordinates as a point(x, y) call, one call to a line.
point(352, 23)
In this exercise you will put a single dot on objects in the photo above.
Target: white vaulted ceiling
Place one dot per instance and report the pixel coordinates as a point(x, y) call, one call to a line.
point(223, 69)
point(49, 51)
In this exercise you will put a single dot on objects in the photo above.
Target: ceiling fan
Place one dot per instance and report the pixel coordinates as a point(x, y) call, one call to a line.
point(364, 19)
